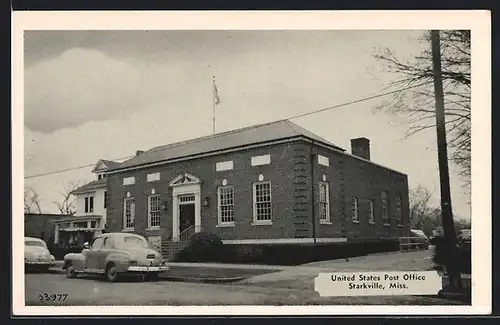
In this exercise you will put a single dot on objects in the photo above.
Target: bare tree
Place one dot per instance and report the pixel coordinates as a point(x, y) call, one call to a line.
point(31, 201)
point(423, 214)
point(67, 205)
point(417, 104)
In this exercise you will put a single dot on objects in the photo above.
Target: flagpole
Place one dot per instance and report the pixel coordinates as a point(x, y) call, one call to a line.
point(213, 104)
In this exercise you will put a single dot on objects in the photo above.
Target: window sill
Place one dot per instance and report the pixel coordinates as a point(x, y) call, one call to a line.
point(387, 225)
point(371, 222)
point(225, 225)
point(262, 223)
point(325, 222)
point(128, 230)
point(400, 226)
point(355, 221)
point(153, 228)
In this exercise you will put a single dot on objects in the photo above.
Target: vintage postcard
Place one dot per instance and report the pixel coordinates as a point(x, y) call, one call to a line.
point(251, 163)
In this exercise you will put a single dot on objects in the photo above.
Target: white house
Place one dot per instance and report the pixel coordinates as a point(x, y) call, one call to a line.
point(90, 210)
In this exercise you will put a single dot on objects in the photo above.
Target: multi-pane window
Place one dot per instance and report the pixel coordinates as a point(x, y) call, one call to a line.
point(371, 212)
point(186, 198)
point(128, 213)
point(226, 204)
point(385, 208)
point(262, 202)
point(154, 211)
point(324, 202)
point(397, 205)
point(89, 204)
point(355, 210)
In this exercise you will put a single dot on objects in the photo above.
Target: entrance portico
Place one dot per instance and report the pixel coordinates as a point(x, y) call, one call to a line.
point(186, 201)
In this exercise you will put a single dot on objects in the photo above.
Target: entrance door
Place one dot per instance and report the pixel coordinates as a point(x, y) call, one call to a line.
point(186, 217)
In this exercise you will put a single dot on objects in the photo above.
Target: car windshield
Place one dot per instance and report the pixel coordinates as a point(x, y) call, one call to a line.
point(131, 241)
point(34, 243)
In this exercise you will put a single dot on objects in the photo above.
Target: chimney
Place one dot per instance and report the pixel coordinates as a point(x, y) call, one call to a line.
point(139, 152)
point(360, 147)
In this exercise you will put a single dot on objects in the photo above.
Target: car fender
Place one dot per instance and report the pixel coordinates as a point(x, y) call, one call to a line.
point(120, 260)
point(76, 259)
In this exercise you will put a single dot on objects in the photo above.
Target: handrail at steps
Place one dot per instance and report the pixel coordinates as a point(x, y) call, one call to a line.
point(185, 234)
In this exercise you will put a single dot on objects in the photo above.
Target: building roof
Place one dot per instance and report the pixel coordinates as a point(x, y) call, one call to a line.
point(104, 164)
point(101, 183)
point(44, 215)
point(232, 139)
point(79, 218)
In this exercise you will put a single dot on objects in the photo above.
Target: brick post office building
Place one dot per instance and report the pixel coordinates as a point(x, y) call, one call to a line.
point(274, 183)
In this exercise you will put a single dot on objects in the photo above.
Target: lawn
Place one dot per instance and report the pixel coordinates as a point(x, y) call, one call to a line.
point(210, 273)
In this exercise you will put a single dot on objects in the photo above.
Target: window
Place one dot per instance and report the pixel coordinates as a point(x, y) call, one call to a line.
point(154, 211)
point(99, 177)
point(132, 241)
point(93, 224)
point(98, 243)
point(385, 208)
point(81, 224)
point(108, 243)
point(324, 203)
point(397, 204)
point(128, 213)
point(89, 204)
point(129, 180)
point(371, 212)
point(186, 198)
point(355, 210)
point(105, 199)
point(262, 202)
point(153, 177)
point(226, 204)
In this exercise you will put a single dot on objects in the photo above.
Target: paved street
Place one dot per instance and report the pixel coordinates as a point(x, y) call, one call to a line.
point(100, 292)
point(292, 286)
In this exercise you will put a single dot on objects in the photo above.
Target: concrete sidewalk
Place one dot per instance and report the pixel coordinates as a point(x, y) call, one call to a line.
point(59, 264)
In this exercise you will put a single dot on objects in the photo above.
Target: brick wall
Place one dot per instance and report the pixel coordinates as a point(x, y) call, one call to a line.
point(350, 177)
point(290, 176)
point(241, 177)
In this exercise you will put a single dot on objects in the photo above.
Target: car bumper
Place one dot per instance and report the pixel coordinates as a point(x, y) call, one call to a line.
point(148, 268)
point(38, 263)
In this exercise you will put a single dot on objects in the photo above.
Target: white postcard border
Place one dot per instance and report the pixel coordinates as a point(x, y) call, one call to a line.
point(478, 21)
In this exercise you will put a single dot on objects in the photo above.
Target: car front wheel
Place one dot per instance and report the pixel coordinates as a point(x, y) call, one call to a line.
point(70, 271)
point(111, 273)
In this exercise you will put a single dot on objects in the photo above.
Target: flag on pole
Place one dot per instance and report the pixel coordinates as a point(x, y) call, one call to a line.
point(216, 94)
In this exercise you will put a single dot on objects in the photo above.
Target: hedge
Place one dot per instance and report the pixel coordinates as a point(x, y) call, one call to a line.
point(205, 247)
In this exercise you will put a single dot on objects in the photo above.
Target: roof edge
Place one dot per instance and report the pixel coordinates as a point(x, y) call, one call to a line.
point(230, 149)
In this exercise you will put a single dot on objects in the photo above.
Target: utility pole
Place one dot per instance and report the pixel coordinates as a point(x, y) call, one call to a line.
point(450, 239)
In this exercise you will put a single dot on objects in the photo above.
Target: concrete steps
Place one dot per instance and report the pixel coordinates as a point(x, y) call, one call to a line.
point(169, 249)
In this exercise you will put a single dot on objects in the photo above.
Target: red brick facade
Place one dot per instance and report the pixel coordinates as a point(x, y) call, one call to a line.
point(290, 175)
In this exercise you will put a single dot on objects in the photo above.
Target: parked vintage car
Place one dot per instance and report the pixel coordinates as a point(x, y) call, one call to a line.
point(116, 254)
point(464, 236)
point(36, 255)
point(420, 239)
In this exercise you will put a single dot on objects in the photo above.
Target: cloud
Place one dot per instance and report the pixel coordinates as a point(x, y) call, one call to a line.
point(79, 86)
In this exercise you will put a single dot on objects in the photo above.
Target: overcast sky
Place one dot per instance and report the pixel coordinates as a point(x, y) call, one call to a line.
point(106, 94)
